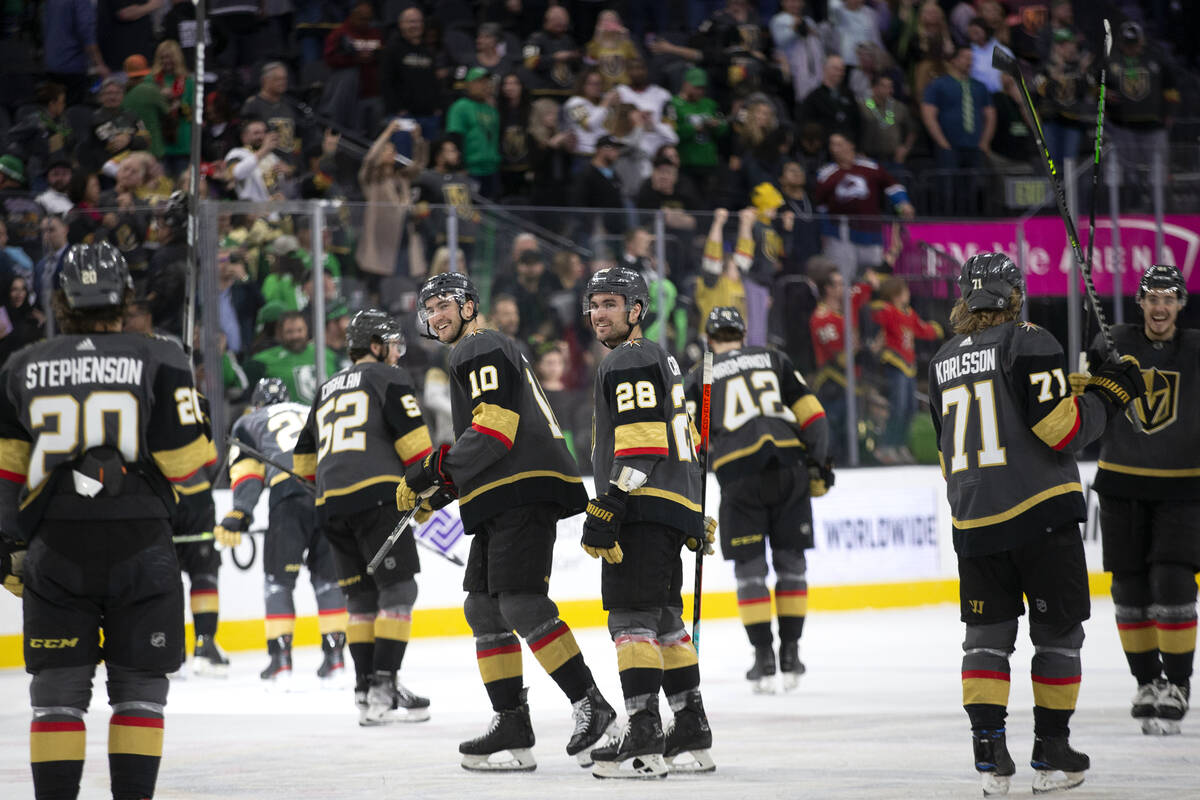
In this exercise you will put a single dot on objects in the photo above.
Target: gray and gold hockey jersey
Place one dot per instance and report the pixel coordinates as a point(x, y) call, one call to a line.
point(62, 397)
point(508, 449)
point(1007, 426)
point(273, 431)
point(641, 421)
point(762, 413)
point(1162, 461)
point(364, 428)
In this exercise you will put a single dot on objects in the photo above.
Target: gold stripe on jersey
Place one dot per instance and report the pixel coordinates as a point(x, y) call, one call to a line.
point(1056, 693)
point(494, 419)
point(807, 409)
point(354, 487)
point(279, 478)
point(535, 473)
point(413, 445)
point(1149, 472)
point(751, 449)
point(650, 491)
point(1019, 508)
point(193, 488)
point(246, 468)
point(640, 438)
point(304, 463)
point(1057, 427)
point(14, 460)
point(182, 462)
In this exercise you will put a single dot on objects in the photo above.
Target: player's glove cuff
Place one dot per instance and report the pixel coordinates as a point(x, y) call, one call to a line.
point(12, 560)
point(429, 472)
point(1119, 382)
point(820, 477)
point(237, 520)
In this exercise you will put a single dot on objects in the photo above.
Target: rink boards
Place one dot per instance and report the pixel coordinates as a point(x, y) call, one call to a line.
point(882, 541)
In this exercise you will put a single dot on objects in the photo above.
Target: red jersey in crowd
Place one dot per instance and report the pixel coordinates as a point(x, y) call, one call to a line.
point(857, 190)
point(828, 330)
point(901, 328)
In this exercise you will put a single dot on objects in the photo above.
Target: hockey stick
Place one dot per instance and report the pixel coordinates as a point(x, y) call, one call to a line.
point(1096, 161)
point(705, 412)
point(304, 482)
point(193, 232)
point(207, 536)
point(398, 531)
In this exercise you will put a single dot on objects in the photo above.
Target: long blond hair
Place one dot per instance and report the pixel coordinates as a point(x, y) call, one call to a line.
point(169, 46)
point(540, 131)
point(963, 320)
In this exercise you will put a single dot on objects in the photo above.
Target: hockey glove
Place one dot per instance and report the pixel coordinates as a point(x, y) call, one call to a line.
point(439, 499)
point(12, 559)
point(229, 532)
point(1078, 381)
point(1119, 382)
point(429, 473)
point(602, 524)
point(710, 536)
point(820, 477)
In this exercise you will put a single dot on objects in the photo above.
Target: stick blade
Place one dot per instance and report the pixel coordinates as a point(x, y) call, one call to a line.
point(1002, 61)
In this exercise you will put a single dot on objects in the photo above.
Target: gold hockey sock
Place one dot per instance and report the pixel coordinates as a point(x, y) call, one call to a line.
point(57, 742)
point(553, 645)
point(499, 660)
point(135, 742)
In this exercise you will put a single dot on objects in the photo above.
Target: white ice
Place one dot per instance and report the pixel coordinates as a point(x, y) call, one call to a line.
point(878, 715)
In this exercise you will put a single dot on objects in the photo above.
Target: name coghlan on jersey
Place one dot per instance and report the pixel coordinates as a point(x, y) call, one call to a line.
point(83, 369)
point(344, 380)
point(961, 365)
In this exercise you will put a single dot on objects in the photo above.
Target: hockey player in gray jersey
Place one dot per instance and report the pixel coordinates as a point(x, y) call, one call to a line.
point(364, 428)
point(1007, 426)
point(1149, 486)
point(293, 538)
point(769, 442)
point(647, 506)
point(515, 478)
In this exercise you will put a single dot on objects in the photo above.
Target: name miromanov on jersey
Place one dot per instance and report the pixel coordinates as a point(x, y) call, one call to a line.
point(83, 369)
point(742, 362)
point(962, 364)
point(344, 380)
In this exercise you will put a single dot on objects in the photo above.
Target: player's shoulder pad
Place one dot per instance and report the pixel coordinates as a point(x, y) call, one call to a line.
point(1190, 337)
point(385, 376)
point(1033, 340)
point(477, 343)
point(165, 350)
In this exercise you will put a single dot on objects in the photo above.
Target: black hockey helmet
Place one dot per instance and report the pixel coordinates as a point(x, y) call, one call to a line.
point(624, 281)
point(268, 392)
point(372, 325)
point(1163, 276)
point(987, 281)
point(94, 276)
point(454, 285)
point(725, 318)
point(175, 214)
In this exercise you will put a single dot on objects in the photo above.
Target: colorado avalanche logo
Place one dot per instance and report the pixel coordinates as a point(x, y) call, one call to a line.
point(1159, 406)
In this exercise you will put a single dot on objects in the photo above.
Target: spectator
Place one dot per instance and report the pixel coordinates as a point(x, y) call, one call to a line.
point(292, 359)
point(960, 118)
point(513, 109)
point(166, 278)
point(386, 191)
point(756, 137)
point(85, 223)
point(221, 134)
point(337, 320)
point(180, 24)
point(238, 301)
point(178, 88)
point(550, 159)
point(599, 187)
point(531, 288)
point(254, 165)
point(475, 119)
point(115, 131)
point(569, 408)
point(411, 87)
point(873, 62)
point(586, 113)
point(552, 56)
point(627, 124)
point(567, 298)
point(446, 184)
point(1013, 144)
point(899, 326)
point(45, 273)
point(21, 322)
point(236, 27)
point(43, 133)
point(721, 283)
point(922, 42)
point(979, 34)
point(611, 49)
point(830, 104)
point(854, 22)
point(735, 47)
point(699, 124)
point(858, 188)
point(1143, 99)
point(1064, 85)
point(13, 260)
point(505, 317)
point(650, 99)
point(996, 17)
point(888, 129)
point(668, 320)
point(144, 100)
point(271, 106)
point(58, 179)
point(125, 28)
point(70, 49)
point(800, 228)
point(798, 47)
point(1062, 17)
point(827, 326)
point(662, 192)
point(353, 48)
point(491, 54)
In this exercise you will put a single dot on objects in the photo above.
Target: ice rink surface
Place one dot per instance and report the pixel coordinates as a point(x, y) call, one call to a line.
point(878, 715)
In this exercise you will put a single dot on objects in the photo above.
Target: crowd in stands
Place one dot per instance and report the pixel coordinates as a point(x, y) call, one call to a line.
point(717, 142)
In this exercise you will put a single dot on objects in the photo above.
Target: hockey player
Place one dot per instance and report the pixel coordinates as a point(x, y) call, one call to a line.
point(646, 508)
point(1007, 426)
point(96, 426)
point(768, 447)
point(1149, 487)
point(271, 429)
point(364, 428)
point(515, 478)
point(195, 516)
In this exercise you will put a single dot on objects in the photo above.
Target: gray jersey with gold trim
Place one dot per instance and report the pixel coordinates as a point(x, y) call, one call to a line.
point(273, 431)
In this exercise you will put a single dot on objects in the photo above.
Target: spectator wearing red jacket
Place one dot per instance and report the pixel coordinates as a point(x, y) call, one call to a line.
point(355, 44)
point(827, 325)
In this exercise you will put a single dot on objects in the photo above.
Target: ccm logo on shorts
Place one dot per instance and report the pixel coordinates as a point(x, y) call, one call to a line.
point(54, 644)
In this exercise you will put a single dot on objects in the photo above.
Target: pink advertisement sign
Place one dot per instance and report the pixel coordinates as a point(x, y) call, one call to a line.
point(1048, 257)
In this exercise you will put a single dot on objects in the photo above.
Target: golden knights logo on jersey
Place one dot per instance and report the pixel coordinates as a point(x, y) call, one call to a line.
point(1159, 407)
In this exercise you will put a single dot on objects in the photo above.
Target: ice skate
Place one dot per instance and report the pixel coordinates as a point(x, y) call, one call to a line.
point(362, 688)
point(993, 762)
point(1052, 758)
point(1171, 707)
point(279, 669)
point(638, 751)
point(594, 719)
point(389, 702)
point(208, 660)
point(689, 738)
point(1143, 707)
point(762, 674)
point(507, 744)
point(790, 665)
point(334, 663)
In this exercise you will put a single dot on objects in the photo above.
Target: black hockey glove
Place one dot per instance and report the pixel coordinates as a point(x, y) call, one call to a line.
point(602, 524)
point(229, 532)
point(820, 477)
point(439, 499)
point(12, 558)
point(1119, 382)
point(430, 472)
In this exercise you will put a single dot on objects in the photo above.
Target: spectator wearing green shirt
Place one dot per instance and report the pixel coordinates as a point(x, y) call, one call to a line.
point(699, 123)
point(144, 99)
point(293, 360)
point(476, 120)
